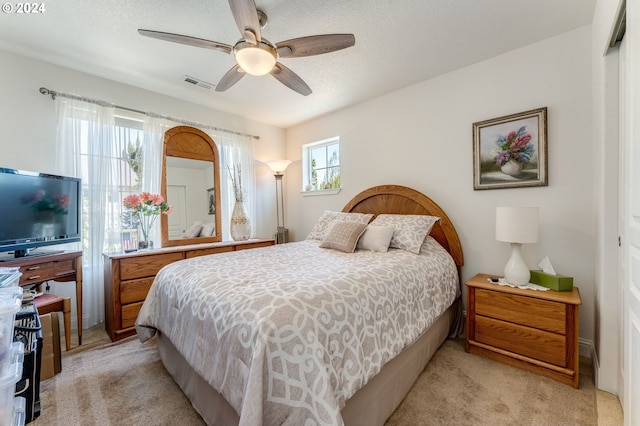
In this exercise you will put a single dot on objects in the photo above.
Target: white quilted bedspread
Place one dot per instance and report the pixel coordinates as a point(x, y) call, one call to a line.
point(288, 333)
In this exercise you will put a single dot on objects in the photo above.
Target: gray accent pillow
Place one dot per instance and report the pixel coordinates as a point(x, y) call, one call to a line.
point(343, 236)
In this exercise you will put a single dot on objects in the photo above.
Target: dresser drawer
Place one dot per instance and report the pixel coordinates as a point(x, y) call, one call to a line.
point(130, 313)
point(255, 245)
point(533, 343)
point(204, 252)
point(542, 314)
point(135, 290)
point(36, 273)
point(146, 266)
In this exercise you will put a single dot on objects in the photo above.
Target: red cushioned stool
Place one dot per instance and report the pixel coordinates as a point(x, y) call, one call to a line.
point(47, 303)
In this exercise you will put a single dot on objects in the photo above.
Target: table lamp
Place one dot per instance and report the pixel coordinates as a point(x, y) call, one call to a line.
point(517, 225)
point(278, 167)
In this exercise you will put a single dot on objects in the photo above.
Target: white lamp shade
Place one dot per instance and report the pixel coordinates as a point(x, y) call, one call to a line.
point(517, 224)
point(278, 166)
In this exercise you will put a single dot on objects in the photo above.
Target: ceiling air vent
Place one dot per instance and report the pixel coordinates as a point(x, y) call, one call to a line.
point(197, 82)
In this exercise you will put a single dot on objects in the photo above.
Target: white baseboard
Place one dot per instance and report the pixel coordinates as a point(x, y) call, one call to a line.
point(587, 349)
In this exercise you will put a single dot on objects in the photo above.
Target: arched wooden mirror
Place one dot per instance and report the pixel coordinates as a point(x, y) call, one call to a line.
point(191, 184)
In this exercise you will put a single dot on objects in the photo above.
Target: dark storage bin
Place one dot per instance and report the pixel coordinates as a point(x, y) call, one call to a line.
point(28, 330)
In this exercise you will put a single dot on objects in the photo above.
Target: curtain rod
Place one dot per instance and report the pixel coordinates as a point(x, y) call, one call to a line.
point(53, 94)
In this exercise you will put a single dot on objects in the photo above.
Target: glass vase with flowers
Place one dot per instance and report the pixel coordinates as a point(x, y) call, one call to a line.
point(145, 209)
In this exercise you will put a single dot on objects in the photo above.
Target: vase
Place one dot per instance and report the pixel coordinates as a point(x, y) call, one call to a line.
point(512, 168)
point(240, 224)
point(144, 244)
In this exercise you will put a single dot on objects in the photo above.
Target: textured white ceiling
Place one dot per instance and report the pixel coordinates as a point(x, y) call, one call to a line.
point(398, 43)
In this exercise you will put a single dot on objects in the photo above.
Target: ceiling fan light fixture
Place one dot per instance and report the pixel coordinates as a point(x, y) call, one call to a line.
point(258, 59)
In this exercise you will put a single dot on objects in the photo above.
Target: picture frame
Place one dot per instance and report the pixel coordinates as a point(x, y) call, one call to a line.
point(511, 151)
point(211, 201)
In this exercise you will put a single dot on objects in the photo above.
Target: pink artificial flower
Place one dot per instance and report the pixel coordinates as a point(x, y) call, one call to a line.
point(168, 211)
point(132, 201)
point(146, 197)
point(157, 199)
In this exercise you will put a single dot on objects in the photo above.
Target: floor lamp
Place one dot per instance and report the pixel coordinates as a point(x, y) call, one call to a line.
point(278, 167)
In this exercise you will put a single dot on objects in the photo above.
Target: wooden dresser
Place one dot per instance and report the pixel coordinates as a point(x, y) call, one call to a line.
point(128, 277)
point(533, 330)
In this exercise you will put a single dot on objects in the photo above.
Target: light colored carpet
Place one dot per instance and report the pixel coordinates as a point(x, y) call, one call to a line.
point(125, 383)
point(457, 388)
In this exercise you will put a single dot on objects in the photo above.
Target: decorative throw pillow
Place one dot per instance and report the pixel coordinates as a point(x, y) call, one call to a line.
point(328, 217)
point(207, 230)
point(193, 231)
point(376, 238)
point(410, 230)
point(343, 236)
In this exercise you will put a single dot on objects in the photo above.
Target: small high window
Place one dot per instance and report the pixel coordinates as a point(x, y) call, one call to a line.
point(321, 165)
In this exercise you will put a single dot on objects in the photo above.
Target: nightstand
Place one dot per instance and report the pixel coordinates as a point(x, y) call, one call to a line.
point(533, 330)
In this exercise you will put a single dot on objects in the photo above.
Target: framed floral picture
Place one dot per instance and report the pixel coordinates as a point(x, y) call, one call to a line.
point(511, 151)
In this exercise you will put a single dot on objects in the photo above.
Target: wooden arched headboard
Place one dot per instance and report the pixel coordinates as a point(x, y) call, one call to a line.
point(396, 199)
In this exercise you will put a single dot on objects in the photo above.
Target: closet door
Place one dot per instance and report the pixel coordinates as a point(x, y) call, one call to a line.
point(178, 219)
point(631, 216)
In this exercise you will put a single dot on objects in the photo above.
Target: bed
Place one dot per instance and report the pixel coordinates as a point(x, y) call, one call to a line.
point(304, 334)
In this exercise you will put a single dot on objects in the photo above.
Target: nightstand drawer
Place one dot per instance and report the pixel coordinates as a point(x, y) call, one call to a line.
point(541, 314)
point(537, 344)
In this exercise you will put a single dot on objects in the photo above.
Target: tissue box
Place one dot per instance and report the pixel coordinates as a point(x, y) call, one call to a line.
point(554, 282)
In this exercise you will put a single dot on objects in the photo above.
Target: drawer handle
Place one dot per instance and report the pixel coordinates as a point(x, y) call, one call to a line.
point(35, 277)
point(33, 268)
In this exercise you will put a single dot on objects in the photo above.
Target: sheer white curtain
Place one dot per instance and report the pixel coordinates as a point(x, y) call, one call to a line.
point(154, 128)
point(89, 128)
point(233, 150)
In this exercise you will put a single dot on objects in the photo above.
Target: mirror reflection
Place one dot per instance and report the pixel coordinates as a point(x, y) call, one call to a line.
point(190, 183)
point(191, 192)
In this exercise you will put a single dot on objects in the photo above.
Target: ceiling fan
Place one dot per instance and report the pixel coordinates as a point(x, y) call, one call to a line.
point(256, 55)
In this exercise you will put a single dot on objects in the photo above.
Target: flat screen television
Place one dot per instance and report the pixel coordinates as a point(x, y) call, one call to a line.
point(37, 209)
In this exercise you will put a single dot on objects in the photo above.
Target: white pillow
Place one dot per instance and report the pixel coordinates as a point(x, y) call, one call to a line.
point(410, 230)
point(207, 230)
point(328, 217)
point(343, 236)
point(193, 231)
point(376, 238)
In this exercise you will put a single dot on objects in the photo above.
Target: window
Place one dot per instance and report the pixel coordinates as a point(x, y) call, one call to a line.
point(321, 165)
point(123, 158)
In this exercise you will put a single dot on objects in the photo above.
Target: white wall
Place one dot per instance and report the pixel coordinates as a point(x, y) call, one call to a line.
point(420, 137)
point(28, 120)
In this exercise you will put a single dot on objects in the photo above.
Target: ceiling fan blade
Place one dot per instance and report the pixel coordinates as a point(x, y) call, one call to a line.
point(246, 16)
point(290, 79)
point(188, 40)
point(314, 45)
point(230, 78)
